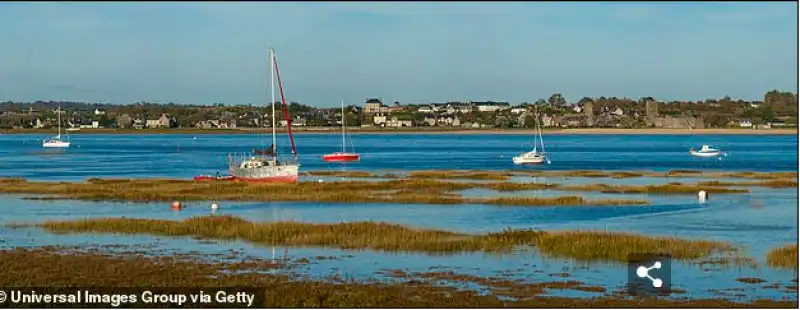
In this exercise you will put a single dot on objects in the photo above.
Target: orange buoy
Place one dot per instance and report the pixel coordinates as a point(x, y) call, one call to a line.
point(177, 205)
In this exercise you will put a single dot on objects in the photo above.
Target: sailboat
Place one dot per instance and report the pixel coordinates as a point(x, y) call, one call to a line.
point(342, 156)
point(56, 142)
point(533, 157)
point(263, 165)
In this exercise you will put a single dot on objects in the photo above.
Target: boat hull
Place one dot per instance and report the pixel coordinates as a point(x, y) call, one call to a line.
point(530, 158)
point(269, 174)
point(55, 144)
point(528, 161)
point(341, 157)
point(705, 154)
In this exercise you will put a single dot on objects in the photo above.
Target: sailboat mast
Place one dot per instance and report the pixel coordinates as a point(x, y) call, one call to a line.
point(343, 125)
point(59, 121)
point(539, 128)
point(272, 100)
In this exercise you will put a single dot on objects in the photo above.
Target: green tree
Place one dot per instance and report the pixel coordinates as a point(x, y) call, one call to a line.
point(767, 114)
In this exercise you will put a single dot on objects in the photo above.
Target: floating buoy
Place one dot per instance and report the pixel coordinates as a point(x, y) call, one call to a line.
point(214, 207)
point(177, 205)
point(702, 196)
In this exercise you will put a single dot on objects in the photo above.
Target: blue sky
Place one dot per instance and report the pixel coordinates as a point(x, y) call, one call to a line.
point(206, 52)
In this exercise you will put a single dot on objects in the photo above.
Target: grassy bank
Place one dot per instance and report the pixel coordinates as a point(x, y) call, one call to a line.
point(579, 245)
point(494, 175)
point(395, 191)
point(50, 268)
point(404, 191)
point(783, 257)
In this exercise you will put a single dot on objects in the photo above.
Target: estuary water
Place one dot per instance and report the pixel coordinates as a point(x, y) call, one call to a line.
point(757, 221)
point(184, 156)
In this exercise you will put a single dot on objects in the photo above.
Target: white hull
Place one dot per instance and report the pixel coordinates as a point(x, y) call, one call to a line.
point(265, 170)
point(705, 154)
point(55, 144)
point(529, 158)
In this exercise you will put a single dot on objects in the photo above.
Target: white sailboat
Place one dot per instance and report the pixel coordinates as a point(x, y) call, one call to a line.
point(263, 165)
point(56, 142)
point(533, 157)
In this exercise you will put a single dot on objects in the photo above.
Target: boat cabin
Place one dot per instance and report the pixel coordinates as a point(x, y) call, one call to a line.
point(255, 163)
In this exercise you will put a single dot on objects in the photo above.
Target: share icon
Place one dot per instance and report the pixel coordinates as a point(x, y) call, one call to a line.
point(644, 272)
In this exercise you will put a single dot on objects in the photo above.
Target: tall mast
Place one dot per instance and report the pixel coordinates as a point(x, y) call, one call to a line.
point(59, 121)
point(272, 100)
point(535, 127)
point(539, 129)
point(343, 150)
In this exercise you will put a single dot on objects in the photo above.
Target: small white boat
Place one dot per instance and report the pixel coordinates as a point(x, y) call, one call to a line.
point(533, 157)
point(56, 142)
point(706, 151)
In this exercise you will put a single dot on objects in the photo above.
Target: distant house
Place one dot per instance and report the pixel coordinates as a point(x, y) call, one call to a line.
point(379, 119)
point(777, 123)
point(98, 112)
point(518, 110)
point(124, 121)
point(745, 123)
point(209, 124)
point(373, 106)
point(396, 122)
point(139, 124)
point(297, 121)
point(429, 120)
point(492, 106)
point(162, 122)
point(425, 109)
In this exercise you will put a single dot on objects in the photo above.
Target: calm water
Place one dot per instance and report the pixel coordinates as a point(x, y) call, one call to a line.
point(184, 156)
point(757, 221)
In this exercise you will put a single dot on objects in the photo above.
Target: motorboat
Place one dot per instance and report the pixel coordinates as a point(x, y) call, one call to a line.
point(706, 151)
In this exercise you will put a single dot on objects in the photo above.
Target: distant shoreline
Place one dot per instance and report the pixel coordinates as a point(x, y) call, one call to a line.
point(494, 131)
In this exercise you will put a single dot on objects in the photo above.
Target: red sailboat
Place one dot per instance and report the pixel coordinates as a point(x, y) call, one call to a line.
point(343, 156)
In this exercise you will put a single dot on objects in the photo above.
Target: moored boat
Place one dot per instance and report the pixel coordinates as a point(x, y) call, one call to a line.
point(706, 151)
point(343, 156)
point(533, 157)
point(56, 142)
point(264, 166)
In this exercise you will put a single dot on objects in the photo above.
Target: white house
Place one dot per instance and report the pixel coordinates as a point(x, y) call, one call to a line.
point(492, 106)
point(745, 123)
point(379, 119)
point(98, 112)
point(518, 110)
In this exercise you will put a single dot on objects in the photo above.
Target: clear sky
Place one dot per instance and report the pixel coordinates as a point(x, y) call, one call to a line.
point(206, 52)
